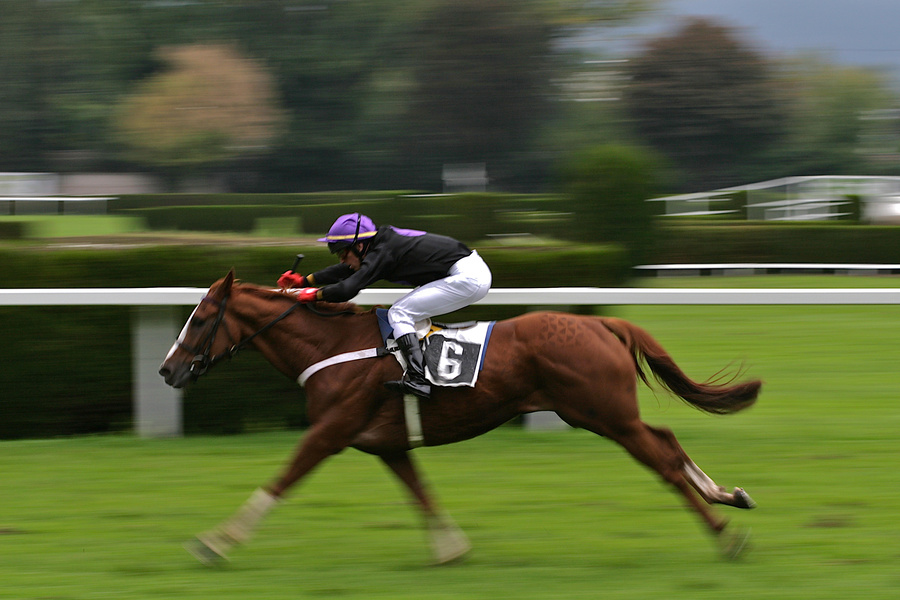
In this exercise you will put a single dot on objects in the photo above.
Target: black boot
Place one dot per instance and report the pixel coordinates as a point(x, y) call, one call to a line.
point(414, 381)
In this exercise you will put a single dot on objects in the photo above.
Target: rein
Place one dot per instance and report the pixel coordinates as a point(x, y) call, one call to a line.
point(311, 308)
point(202, 361)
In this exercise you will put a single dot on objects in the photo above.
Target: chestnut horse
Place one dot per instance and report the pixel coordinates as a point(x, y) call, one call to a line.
point(584, 368)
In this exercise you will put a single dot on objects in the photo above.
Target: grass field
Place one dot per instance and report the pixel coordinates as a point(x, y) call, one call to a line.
point(50, 226)
point(550, 514)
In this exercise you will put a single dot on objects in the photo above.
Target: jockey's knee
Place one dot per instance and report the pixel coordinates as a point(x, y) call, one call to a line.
point(401, 321)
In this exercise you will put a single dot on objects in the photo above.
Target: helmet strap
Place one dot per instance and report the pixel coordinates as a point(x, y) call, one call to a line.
point(356, 235)
point(360, 253)
point(353, 245)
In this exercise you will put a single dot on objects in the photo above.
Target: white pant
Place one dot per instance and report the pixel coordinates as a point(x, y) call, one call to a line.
point(468, 281)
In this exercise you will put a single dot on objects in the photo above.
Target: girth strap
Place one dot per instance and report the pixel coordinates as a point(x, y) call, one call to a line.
point(413, 421)
point(410, 402)
point(340, 358)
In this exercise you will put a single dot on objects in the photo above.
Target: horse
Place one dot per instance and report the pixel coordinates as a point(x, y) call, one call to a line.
point(584, 368)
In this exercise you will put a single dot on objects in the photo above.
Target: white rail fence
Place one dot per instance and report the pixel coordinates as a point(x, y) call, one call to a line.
point(732, 269)
point(156, 322)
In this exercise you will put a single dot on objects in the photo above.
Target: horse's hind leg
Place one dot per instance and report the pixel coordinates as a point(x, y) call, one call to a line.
point(713, 493)
point(700, 481)
point(447, 541)
point(646, 445)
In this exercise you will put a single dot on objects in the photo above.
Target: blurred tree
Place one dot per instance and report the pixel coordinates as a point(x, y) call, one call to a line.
point(210, 106)
point(608, 187)
point(706, 101)
point(335, 66)
point(590, 13)
point(31, 62)
point(480, 80)
point(351, 76)
point(828, 124)
point(63, 67)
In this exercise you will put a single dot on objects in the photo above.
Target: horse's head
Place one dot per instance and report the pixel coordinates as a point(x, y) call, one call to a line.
point(202, 342)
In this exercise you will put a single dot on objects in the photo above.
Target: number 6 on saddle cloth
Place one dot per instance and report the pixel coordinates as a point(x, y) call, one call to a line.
point(454, 354)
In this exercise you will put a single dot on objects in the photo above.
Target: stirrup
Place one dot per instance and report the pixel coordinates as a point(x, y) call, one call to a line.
point(407, 386)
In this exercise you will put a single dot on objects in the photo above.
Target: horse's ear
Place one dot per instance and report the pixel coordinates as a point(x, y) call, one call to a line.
point(222, 288)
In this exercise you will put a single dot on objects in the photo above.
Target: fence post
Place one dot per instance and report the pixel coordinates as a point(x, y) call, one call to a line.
point(157, 407)
point(545, 420)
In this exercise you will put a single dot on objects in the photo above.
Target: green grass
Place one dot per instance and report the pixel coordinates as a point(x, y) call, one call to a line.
point(50, 226)
point(550, 515)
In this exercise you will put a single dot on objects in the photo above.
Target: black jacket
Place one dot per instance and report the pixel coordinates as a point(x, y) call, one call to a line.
point(393, 256)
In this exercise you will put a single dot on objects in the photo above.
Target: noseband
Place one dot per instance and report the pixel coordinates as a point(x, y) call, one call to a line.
point(202, 360)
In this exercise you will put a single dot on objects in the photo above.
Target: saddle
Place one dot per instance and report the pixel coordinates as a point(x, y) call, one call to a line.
point(454, 354)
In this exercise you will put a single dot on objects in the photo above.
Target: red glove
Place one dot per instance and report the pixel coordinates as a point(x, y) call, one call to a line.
point(289, 280)
point(307, 295)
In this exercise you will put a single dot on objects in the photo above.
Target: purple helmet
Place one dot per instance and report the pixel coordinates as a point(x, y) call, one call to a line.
point(347, 230)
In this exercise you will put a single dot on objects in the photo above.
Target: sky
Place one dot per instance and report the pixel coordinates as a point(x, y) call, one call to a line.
point(854, 32)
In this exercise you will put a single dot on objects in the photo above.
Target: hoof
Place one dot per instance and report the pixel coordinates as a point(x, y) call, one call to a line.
point(742, 499)
point(734, 543)
point(205, 552)
point(451, 550)
point(448, 542)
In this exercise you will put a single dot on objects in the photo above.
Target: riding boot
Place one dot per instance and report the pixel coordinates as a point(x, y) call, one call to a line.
point(414, 381)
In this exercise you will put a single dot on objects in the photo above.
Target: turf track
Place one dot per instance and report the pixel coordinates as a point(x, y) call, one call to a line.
point(550, 515)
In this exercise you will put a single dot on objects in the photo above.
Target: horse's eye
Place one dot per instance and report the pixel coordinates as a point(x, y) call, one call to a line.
point(198, 322)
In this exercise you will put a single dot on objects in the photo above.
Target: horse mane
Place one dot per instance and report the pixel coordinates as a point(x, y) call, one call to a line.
point(320, 306)
point(341, 308)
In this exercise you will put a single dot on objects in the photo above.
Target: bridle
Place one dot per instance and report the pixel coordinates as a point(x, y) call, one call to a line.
point(202, 360)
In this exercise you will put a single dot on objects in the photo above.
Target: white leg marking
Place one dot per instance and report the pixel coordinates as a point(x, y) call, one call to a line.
point(702, 480)
point(448, 542)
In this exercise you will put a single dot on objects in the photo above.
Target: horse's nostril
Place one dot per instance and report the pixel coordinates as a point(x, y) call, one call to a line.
point(164, 371)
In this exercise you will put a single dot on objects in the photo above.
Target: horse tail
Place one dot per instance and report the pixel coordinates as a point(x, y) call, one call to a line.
point(712, 396)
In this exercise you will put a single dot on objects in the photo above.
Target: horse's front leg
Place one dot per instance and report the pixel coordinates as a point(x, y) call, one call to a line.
point(320, 442)
point(447, 541)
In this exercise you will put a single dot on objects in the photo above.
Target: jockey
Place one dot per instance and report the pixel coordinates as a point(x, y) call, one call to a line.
point(448, 275)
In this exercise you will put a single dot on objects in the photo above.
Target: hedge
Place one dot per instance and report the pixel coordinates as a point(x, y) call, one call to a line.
point(821, 242)
point(12, 230)
point(474, 217)
point(67, 370)
point(137, 201)
point(470, 217)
